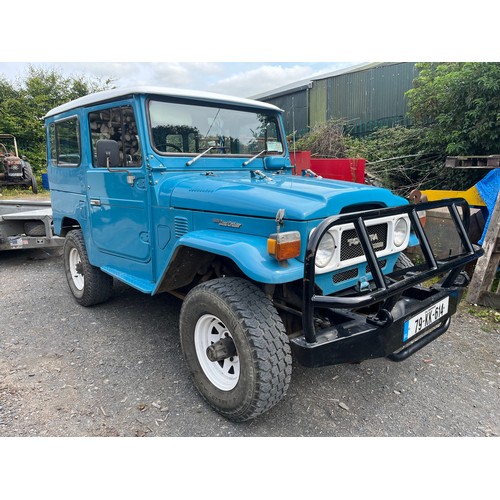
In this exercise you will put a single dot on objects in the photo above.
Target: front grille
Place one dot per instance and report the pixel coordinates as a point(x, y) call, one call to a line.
point(381, 264)
point(350, 245)
point(345, 275)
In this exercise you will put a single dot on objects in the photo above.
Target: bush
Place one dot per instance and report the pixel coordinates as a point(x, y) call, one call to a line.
point(402, 159)
point(326, 140)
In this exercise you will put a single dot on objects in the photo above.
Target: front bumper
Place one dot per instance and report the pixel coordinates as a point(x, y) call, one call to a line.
point(353, 339)
point(370, 325)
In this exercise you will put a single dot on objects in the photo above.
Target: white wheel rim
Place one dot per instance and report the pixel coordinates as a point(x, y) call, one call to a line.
point(222, 374)
point(75, 264)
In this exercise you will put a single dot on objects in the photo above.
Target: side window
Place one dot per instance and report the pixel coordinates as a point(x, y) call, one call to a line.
point(117, 124)
point(52, 142)
point(64, 139)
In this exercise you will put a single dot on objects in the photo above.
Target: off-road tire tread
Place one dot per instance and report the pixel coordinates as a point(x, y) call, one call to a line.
point(403, 262)
point(34, 228)
point(34, 187)
point(266, 335)
point(98, 285)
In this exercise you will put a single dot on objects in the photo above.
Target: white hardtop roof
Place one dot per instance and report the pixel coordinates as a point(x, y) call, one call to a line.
point(108, 95)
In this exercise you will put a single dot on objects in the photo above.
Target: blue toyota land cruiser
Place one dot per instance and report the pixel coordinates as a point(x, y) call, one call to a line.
point(193, 193)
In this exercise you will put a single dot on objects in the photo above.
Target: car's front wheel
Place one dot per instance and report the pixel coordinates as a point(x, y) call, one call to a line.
point(236, 348)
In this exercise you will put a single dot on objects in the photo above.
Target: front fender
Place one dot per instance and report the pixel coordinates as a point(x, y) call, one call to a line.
point(248, 252)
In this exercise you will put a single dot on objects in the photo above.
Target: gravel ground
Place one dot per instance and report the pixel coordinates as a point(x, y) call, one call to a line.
point(117, 370)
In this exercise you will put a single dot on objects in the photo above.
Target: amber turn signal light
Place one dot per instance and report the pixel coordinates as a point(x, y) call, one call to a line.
point(283, 246)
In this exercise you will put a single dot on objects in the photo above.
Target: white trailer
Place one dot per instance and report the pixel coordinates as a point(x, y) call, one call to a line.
point(27, 224)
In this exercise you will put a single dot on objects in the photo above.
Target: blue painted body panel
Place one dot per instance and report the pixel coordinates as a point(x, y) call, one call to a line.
point(303, 198)
point(250, 252)
point(216, 205)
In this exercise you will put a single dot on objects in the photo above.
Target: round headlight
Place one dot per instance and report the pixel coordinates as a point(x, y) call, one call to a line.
point(325, 251)
point(400, 231)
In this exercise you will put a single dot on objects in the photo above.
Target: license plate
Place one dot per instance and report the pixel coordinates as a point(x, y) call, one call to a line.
point(425, 319)
point(15, 174)
point(15, 242)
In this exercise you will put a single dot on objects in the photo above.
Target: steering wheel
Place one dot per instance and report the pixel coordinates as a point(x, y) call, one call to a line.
point(169, 144)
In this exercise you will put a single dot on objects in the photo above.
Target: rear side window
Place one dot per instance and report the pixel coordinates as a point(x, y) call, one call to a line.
point(117, 124)
point(64, 139)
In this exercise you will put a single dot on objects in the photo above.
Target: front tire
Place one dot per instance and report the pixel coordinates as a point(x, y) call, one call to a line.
point(254, 373)
point(88, 284)
point(403, 262)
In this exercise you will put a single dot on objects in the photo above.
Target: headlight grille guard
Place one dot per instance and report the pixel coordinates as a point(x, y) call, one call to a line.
point(384, 291)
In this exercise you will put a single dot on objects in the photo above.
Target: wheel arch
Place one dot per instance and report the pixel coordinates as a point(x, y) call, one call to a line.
point(247, 252)
point(67, 225)
point(188, 263)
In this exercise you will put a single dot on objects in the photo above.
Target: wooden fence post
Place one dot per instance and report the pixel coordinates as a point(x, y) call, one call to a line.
point(484, 274)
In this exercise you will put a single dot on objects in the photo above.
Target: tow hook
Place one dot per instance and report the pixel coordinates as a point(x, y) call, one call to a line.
point(221, 350)
point(462, 279)
point(383, 319)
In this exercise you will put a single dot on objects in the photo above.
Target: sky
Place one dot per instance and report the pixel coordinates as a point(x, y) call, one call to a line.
point(229, 47)
point(242, 79)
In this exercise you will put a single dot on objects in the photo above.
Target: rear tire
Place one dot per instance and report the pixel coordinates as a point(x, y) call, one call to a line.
point(257, 374)
point(29, 177)
point(34, 187)
point(88, 284)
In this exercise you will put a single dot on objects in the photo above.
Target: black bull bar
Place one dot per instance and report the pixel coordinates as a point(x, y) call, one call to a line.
point(362, 339)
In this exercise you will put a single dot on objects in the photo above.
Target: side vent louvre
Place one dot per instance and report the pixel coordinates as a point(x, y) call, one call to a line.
point(181, 226)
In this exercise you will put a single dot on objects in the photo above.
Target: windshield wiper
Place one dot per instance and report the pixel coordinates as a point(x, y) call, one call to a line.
point(245, 163)
point(190, 162)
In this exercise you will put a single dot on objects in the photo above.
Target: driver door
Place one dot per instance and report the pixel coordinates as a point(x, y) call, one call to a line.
point(117, 198)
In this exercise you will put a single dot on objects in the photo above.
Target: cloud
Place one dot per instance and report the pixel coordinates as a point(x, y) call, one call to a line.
point(242, 79)
point(165, 74)
point(261, 79)
point(184, 75)
point(268, 76)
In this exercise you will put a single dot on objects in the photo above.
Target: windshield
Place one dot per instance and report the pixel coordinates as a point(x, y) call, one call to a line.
point(194, 128)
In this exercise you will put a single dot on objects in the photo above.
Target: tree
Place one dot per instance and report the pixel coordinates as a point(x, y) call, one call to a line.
point(23, 106)
point(459, 103)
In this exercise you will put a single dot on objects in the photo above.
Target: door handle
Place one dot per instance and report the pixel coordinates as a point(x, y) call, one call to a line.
point(95, 202)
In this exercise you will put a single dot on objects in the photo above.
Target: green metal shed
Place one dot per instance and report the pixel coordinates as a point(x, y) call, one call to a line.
point(366, 96)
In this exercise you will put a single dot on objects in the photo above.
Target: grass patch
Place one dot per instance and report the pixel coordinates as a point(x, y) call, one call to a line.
point(13, 193)
point(486, 313)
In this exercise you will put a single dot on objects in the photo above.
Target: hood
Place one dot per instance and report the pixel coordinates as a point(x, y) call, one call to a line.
point(303, 198)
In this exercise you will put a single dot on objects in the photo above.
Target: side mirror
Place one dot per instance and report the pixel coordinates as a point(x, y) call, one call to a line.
point(108, 153)
point(108, 156)
point(274, 163)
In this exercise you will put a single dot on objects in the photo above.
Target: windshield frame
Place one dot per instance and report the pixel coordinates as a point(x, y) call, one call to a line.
point(281, 136)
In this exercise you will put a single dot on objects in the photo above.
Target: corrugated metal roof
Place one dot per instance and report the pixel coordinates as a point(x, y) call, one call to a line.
point(365, 96)
point(303, 84)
